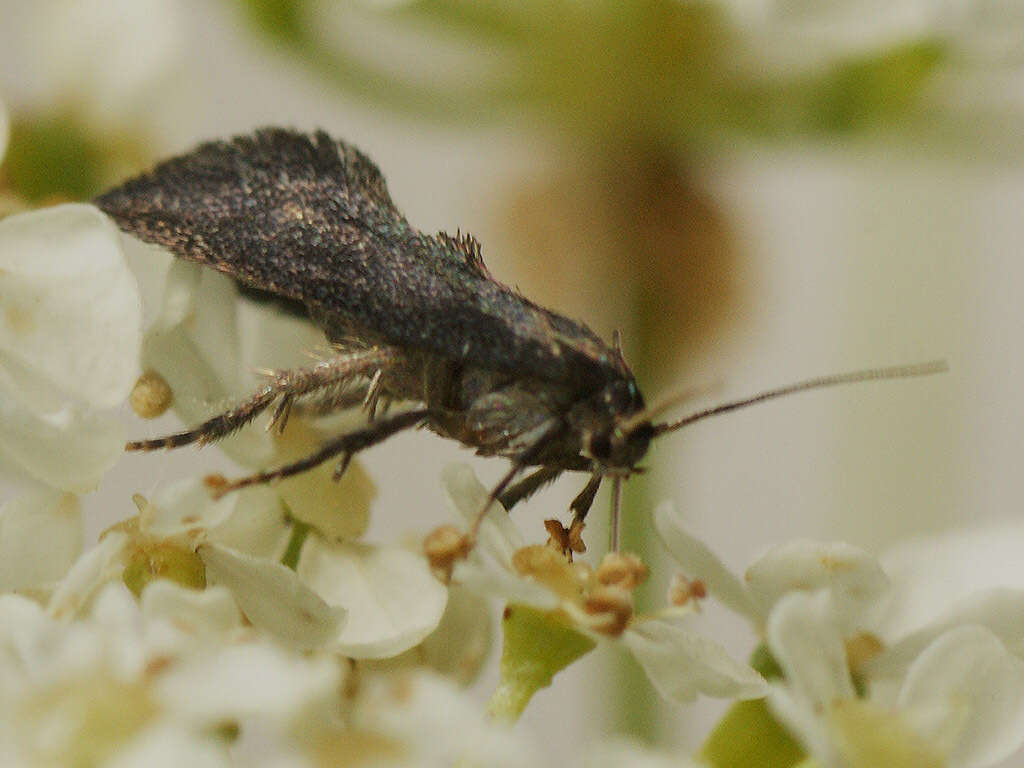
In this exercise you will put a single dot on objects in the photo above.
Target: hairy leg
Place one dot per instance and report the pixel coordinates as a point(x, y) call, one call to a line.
point(348, 444)
point(286, 385)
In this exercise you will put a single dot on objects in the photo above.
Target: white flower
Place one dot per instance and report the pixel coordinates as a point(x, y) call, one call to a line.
point(69, 344)
point(430, 722)
point(679, 663)
point(118, 687)
point(40, 538)
point(856, 580)
point(960, 701)
point(391, 599)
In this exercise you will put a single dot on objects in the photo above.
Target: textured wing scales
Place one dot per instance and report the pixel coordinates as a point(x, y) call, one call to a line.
point(310, 219)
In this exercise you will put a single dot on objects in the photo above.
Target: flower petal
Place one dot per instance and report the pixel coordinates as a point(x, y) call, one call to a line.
point(393, 601)
point(498, 535)
point(40, 538)
point(196, 610)
point(273, 598)
point(459, 646)
point(248, 680)
point(94, 568)
point(680, 664)
point(185, 506)
point(72, 311)
point(969, 670)
point(69, 448)
point(337, 509)
point(805, 637)
point(699, 562)
point(166, 744)
point(1001, 611)
point(257, 526)
point(439, 724)
point(853, 576)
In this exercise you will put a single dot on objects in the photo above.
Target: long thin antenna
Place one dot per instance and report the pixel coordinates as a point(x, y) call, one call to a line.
point(872, 374)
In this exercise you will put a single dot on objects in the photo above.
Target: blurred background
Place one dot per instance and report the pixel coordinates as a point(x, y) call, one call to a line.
point(752, 191)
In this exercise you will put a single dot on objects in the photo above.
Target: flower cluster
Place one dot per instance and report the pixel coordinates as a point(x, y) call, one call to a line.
point(261, 627)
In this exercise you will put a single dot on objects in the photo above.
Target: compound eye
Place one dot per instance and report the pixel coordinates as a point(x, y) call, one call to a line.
point(600, 446)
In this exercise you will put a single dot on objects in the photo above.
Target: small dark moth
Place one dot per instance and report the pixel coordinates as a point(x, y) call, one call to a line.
point(411, 317)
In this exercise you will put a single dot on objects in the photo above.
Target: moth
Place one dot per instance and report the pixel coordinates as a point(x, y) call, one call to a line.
point(307, 220)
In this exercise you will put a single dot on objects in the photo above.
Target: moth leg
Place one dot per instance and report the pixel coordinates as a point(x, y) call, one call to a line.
point(528, 486)
point(291, 384)
point(581, 505)
point(348, 444)
point(520, 462)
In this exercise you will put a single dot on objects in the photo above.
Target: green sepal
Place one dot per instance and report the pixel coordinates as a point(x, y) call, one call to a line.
point(749, 736)
point(536, 646)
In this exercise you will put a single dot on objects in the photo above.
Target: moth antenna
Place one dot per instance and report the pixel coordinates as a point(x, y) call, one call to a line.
point(870, 374)
point(617, 341)
point(666, 403)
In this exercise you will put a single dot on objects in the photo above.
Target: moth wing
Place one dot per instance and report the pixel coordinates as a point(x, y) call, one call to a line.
point(308, 218)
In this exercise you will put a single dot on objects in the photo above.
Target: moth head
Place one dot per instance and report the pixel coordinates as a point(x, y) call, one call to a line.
point(604, 440)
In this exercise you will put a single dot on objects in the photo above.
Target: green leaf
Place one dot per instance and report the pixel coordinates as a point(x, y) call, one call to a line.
point(749, 736)
point(536, 646)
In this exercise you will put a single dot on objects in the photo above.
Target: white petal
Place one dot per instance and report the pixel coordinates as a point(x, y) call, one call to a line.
point(272, 597)
point(930, 573)
point(498, 536)
point(459, 646)
point(257, 526)
point(70, 448)
point(1001, 611)
point(971, 670)
point(40, 538)
point(805, 723)
point(170, 745)
point(488, 579)
point(196, 610)
point(91, 571)
point(271, 339)
point(440, 724)
point(804, 636)
point(250, 680)
point(185, 506)
point(151, 266)
point(699, 562)
point(854, 577)
point(194, 345)
point(680, 664)
point(23, 629)
point(337, 509)
point(71, 306)
point(393, 601)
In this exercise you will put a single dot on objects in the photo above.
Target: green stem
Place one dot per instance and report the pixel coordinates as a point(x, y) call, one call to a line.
point(536, 646)
point(300, 531)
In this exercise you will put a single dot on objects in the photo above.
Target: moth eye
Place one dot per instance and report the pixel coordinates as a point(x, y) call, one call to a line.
point(600, 446)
